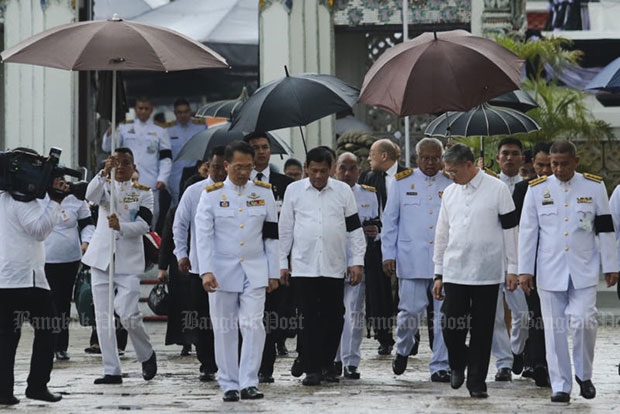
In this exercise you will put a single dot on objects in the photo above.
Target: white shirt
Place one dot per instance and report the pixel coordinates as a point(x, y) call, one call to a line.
point(614, 204)
point(184, 222)
point(389, 178)
point(64, 244)
point(25, 226)
point(471, 247)
point(313, 229)
point(510, 181)
point(265, 177)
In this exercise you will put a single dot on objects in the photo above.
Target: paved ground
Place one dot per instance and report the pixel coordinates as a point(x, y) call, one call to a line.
point(176, 386)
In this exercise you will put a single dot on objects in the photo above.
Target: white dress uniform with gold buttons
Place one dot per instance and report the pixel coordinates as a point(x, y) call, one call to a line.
point(408, 234)
point(179, 135)
point(236, 228)
point(134, 204)
point(558, 237)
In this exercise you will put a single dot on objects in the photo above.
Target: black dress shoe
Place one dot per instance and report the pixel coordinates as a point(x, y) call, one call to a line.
point(312, 379)
point(337, 369)
point(297, 369)
point(587, 388)
point(93, 349)
point(440, 376)
point(265, 379)
point(231, 396)
point(186, 350)
point(8, 400)
point(109, 379)
point(328, 375)
point(503, 375)
point(62, 356)
point(560, 397)
point(517, 363)
point(207, 377)
point(251, 393)
point(541, 376)
point(457, 378)
point(528, 372)
point(385, 349)
point(43, 395)
point(478, 394)
point(399, 364)
point(351, 372)
point(281, 347)
point(149, 367)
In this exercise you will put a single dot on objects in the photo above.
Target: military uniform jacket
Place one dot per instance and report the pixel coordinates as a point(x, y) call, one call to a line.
point(134, 208)
point(150, 145)
point(237, 235)
point(409, 221)
point(563, 219)
point(366, 199)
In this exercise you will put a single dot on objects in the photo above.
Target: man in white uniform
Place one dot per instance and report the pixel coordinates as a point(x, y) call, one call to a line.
point(561, 218)
point(237, 239)
point(130, 221)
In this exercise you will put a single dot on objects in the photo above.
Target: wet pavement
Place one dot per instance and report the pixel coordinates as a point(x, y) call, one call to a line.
point(176, 387)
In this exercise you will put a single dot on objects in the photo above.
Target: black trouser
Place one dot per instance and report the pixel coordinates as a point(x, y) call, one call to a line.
point(379, 299)
point(202, 336)
point(16, 306)
point(121, 334)
point(61, 277)
point(469, 308)
point(321, 308)
point(535, 354)
point(274, 328)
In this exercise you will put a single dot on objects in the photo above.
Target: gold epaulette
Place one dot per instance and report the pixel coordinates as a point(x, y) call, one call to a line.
point(403, 174)
point(445, 174)
point(126, 122)
point(199, 121)
point(491, 172)
point(140, 186)
point(262, 184)
point(592, 177)
point(368, 188)
point(538, 180)
point(214, 187)
point(166, 124)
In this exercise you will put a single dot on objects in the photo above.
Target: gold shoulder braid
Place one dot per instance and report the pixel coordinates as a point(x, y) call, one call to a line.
point(538, 180)
point(214, 187)
point(141, 187)
point(592, 177)
point(368, 188)
point(403, 174)
point(262, 184)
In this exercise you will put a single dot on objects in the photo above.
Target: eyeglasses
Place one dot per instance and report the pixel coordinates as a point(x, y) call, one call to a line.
point(426, 159)
point(239, 168)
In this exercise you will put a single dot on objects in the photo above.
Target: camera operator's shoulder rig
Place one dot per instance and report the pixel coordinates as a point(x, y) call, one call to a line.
point(140, 186)
point(403, 174)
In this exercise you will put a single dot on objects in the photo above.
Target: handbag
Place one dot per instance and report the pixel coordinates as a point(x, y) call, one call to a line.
point(83, 297)
point(158, 299)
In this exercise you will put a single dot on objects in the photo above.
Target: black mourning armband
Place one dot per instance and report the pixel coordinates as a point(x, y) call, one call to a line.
point(352, 222)
point(509, 220)
point(270, 230)
point(146, 215)
point(603, 224)
point(165, 154)
point(82, 223)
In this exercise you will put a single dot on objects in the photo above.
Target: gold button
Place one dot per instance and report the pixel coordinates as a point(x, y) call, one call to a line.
point(431, 242)
point(430, 212)
point(566, 190)
point(242, 243)
point(240, 209)
point(241, 226)
point(430, 184)
point(239, 193)
point(566, 249)
point(566, 233)
point(430, 197)
point(565, 218)
point(241, 260)
point(565, 204)
point(430, 227)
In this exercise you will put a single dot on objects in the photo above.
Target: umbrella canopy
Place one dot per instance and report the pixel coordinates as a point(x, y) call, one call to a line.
point(438, 72)
point(200, 145)
point(608, 79)
point(483, 120)
point(518, 99)
point(223, 109)
point(113, 44)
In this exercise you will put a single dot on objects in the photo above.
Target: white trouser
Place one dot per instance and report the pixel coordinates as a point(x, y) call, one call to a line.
point(503, 347)
point(414, 299)
point(575, 308)
point(232, 312)
point(126, 306)
point(354, 324)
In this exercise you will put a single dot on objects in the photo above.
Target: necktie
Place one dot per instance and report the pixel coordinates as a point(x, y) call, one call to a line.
point(259, 176)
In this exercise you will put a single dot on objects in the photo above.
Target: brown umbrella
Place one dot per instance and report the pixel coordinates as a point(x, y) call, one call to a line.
point(438, 72)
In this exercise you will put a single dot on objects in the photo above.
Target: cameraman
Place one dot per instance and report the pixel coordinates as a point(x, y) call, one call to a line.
point(24, 291)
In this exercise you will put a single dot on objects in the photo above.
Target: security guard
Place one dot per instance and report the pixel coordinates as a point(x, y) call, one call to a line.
point(408, 235)
point(131, 220)
point(150, 146)
point(561, 217)
point(237, 239)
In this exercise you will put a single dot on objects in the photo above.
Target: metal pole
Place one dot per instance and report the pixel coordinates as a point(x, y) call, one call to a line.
point(405, 38)
point(112, 211)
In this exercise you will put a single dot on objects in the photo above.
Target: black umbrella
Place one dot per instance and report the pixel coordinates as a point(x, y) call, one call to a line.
point(200, 145)
point(518, 99)
point(294, 101)
point(223, 109)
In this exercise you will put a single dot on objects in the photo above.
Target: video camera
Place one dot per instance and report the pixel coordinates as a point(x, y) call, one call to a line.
point(27, 175)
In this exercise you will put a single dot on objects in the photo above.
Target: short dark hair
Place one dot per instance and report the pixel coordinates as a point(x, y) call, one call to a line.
point(458, 154)
point(562, 146)
point(510, 141)
point(256, 134)
point(542, 146)
point(219, 151)
point(292, 162)
point(237, 146)
point(180, 101)
point(144, 98)
point(331, 151)
point(320, 154)
point(527, 155)
point(124, 150)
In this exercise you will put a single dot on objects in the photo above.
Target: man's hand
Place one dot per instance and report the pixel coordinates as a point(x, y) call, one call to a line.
point(355, 274)
point(209, 282)
point(512, 282)
point(113, 222)
point(371, 231)
point(481, 163)
point(273, 285)
point(437, 289)
point(285, 276)
point(84, 247)
point(526, 282)
point(160, 185)
point(389, 267)
point(162, 276)
point(110, 163)
point(184, 265)
point(611, 278)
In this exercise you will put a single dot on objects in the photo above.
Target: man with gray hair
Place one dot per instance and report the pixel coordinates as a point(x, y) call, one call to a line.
point(408, 236)
point(475, 246)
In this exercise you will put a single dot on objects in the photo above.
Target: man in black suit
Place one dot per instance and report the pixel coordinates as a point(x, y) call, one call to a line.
point(276, 301)
point(535, 358)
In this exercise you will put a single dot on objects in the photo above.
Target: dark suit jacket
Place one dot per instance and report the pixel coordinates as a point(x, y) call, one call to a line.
point(375, 179)
point(279, 182)
point(518, 195)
